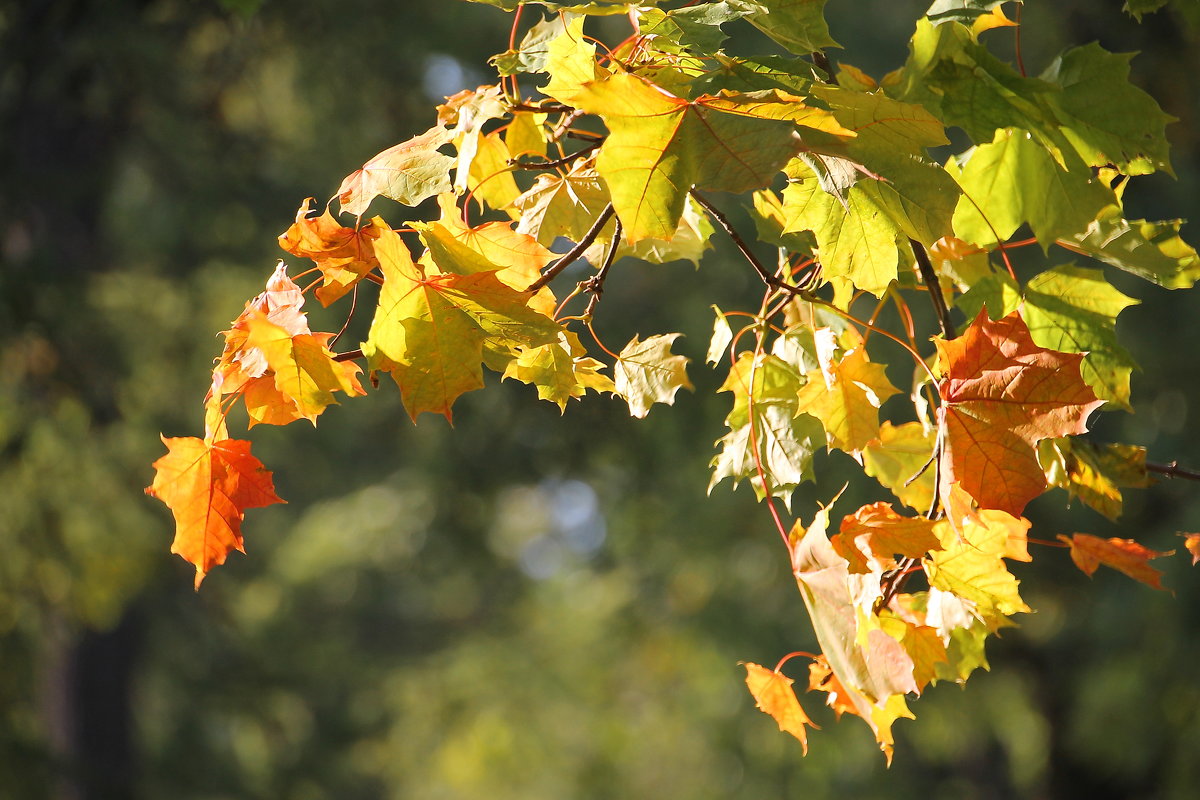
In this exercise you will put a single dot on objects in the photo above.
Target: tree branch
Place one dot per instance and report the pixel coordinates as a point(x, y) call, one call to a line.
point(721, 220)
point(558, 162)
point(595, 284)
point(930, 279)
point(349, 355)
point(575, 252)
point(1172, 470)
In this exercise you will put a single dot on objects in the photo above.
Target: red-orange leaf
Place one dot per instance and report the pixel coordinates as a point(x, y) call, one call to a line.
point(342, 254)
point(1124, 555)
point(208, 486)
point(774, 694)
point(878, 531)
point(1001, 395)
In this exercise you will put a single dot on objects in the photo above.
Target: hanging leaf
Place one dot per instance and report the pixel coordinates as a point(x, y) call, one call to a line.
point(208, 486)
point(1094, 473)
point(646, 373)
point(847, 399)
point(342, 254)
point(773, 693)
point(408, 173)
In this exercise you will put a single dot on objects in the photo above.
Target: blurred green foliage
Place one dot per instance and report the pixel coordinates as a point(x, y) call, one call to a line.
point(527, 605)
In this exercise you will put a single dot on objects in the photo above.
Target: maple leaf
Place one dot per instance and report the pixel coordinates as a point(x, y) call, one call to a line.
point(970, 563)
point(562, 205)
point(407, 173)
point(1094, 473)
point(773, 693)
point(798, 25)
point(305, 370)
point(647, 373)
point(1153, 251)
point(1124, 555)
point(430, 329)
point(342, 254)
point(571, 62)
point(765, 428)
point(1001, 394)
point(1192, 543)
point(874, 669)
point(878, 532)
point(846, 399)
point(660, 145)
point(560, 370)
point(208, 486)
point(895, 459)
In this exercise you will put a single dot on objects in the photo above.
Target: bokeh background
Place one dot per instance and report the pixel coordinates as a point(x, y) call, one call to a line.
point(523, 606)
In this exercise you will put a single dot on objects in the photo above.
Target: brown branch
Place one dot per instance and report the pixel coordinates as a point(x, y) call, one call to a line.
point(556, 163)
point(349, 355)
point(930, 279)
point(595, 284)
point(1172, 470)
point(575, 252)
point(769, 279)
point(548, 108)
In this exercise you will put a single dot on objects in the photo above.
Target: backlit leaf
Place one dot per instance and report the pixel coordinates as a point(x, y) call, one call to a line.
point(646, 373)
point(900, 452)
point(208, 486)
point(798, 25)
point(773, 693)
point(879, 533)
point(560, 370)
point(342, 254)
point(407, 173)
point(847, 399)
point(1094, 473)
point(1151, 250)
point(1124, 555)
point(305, 371)
point(1001, 394)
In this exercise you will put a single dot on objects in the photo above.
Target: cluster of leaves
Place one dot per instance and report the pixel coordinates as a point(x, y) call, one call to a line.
point(614, 152)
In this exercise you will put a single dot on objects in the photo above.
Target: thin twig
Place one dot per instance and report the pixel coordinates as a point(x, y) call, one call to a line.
point(575, 252)
point(767, 277)
point(558, 162)
point(548, 108)
point(935, 290)
point(349, 355)
point(1173, 470)
point(350, 316)
point(595, 284)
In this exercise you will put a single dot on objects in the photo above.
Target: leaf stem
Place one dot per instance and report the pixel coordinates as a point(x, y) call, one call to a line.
point(790, 656)
point(767, 277)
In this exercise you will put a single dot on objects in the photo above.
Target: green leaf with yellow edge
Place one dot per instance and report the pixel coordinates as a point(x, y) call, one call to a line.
point(1074, 310)
point(305, 371)
point(647, 373)
point(1151, 250)
point(660, 145)
point(531, 54)
point(874, 669)
point(1094, 473)
point(766, 431)
point(896, 456)
point(847, 399)
point(1014, 179)
point(798, 25)
point(560, 370)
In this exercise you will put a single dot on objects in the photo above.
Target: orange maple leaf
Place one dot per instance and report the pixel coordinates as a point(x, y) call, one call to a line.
point(208, 486)
point(1192, 542)
point(1002, 394)
point(342, 254)
point(1124, 555)
point(878, 531)
point(774, 694)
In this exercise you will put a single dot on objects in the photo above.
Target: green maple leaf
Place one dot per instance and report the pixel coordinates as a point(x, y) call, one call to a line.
point(771, 431)
point(660, 145)
point(695, 27)
point(1014, 179)
point(647, 373)
point(893, 459)
point(533, 51)
point(571, 62)
point(1151, 250)
point(861, 235)
point(1105, 117)
point(883, 122)
point(798, 25)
